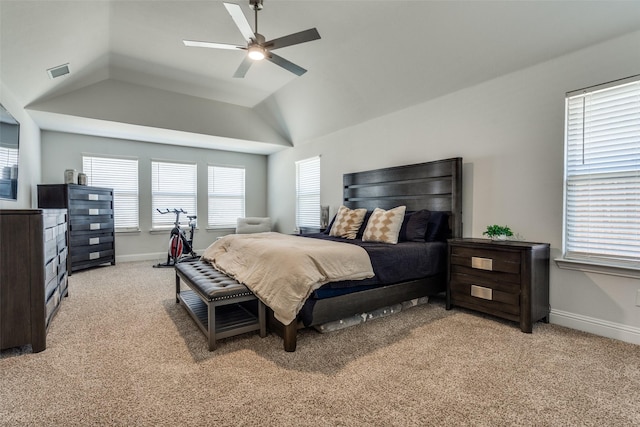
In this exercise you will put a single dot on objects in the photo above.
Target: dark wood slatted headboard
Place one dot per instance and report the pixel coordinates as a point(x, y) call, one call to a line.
point(436, 186)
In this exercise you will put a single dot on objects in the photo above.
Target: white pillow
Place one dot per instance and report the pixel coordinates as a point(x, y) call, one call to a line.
point(384, 226)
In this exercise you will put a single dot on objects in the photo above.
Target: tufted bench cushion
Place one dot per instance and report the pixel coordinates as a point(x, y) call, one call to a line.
point(211, 283)
point(220, 305)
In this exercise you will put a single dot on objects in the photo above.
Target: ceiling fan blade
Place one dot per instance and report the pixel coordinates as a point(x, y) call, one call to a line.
point(243, 68)
point(241, 21)
point(287, 65)
point(291, 39)
point(194, 43)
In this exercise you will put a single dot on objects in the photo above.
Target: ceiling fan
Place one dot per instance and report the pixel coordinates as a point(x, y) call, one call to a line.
point(257, 48)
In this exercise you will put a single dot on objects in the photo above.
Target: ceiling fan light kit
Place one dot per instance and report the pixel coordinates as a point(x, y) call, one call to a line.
point(256, 53)
point(257, 48)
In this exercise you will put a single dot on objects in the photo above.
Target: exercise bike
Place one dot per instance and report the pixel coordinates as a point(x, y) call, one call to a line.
point(180, 247)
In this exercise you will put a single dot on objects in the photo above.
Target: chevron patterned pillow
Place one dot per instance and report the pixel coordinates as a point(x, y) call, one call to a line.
point(384, 226)
point(347, 222)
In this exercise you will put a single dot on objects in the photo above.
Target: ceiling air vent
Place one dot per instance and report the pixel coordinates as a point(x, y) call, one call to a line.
point(60, 70)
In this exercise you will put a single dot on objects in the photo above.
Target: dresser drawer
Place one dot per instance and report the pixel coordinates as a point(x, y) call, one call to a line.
point(93, 255)
point(50, 248)
point(85, 223)
point(52, 304)
point(91, 210)
point(90, 238)
point(50, 287)
point(89, 194)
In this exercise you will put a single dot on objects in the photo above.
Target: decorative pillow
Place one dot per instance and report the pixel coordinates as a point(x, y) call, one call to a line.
point(438, 227)
point(365, 221)
point(414, 226)
point(384, 226)
point(347, 222)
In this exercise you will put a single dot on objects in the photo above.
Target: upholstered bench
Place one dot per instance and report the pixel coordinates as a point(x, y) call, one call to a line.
point(220, 306)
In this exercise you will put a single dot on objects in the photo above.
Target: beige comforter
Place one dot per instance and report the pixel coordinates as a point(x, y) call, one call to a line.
point(283, 270)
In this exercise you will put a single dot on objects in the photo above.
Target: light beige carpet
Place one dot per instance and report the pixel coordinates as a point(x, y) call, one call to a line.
point(121, 352)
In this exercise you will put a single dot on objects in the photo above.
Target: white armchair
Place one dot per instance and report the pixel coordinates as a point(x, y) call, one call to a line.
point(253, 225)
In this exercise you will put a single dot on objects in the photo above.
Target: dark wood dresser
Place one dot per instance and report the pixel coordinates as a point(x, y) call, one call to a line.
point(33, 274)
point(507, 279)
point(91, 223)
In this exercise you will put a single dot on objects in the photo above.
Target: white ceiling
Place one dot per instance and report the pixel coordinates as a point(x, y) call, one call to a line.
point(374, 57)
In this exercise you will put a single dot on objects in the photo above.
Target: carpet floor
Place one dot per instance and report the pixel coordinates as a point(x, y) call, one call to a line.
point(121, 352)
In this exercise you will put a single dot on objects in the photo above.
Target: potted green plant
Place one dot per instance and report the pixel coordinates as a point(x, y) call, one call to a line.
point(498, 232)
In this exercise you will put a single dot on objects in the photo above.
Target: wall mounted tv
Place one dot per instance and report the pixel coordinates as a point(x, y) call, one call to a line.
point(9, 144)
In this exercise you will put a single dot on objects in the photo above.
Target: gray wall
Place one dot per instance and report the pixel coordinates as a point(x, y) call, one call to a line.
point(510, 133)
point(62, 151)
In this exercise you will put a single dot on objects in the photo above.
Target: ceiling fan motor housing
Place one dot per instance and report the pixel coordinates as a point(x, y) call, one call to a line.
point(257, 47)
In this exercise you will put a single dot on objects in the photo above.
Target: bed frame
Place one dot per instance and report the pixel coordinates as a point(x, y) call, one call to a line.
point(436, 186)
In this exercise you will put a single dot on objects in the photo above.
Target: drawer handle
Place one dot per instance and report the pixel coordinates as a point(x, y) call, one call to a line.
point(482, 292)
point(94, 226)
point(482, 263)
point(94, 240)
point(94, 211)
point(94, 255)
point(94, 197)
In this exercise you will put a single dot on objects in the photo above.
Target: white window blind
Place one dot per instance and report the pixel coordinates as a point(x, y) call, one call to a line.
point(308, 193)
point(602, 175)
point(122, 176)
point(226, 196)
point(173, 186)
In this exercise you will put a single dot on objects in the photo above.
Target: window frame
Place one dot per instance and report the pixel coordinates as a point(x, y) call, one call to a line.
point(212, 196)
point(117, 192)
point(584, 260)
point(314, 161)
point(167, 223)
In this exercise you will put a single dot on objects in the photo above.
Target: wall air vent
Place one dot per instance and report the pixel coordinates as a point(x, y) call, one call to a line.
point(60, 70)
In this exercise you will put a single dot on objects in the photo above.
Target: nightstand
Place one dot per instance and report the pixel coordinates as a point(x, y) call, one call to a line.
point(507, 279)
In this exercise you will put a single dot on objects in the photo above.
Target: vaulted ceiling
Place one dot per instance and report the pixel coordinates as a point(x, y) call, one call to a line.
point(132, 77)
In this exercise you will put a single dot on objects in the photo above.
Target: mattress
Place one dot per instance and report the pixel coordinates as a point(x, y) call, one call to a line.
point(391, 264)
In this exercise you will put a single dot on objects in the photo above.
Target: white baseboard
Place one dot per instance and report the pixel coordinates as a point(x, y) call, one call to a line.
point(142, 257)
point(595, 326)
point(154, 256)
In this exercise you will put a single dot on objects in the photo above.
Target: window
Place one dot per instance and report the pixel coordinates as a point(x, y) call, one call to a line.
point(602, 175)
point(308, 193)
point(122, 175)
point(226, 196)
point(173, 186)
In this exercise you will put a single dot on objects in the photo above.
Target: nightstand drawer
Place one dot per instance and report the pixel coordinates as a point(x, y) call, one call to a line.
point(486, 259)
point(486, 297)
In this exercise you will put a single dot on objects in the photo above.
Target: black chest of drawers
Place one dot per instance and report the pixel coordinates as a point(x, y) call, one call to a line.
point(33, 274)
point(91, 222)
point(507, 279)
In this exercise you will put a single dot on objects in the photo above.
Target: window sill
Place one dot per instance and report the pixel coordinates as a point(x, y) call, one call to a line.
point(129, 231)
point(598, 267)
point(217, 229)
point(168, 230)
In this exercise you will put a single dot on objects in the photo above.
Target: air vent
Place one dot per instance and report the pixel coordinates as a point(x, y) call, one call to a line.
point(60, 70)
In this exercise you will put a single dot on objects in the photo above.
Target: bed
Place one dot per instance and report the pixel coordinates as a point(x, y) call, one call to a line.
point(434, 187)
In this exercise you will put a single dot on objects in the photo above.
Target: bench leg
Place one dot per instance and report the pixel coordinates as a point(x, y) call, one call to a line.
point(177, 287)
point(211, 326)
point(262, 319)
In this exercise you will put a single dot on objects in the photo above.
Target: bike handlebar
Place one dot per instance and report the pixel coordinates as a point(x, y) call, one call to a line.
point(174, 210)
